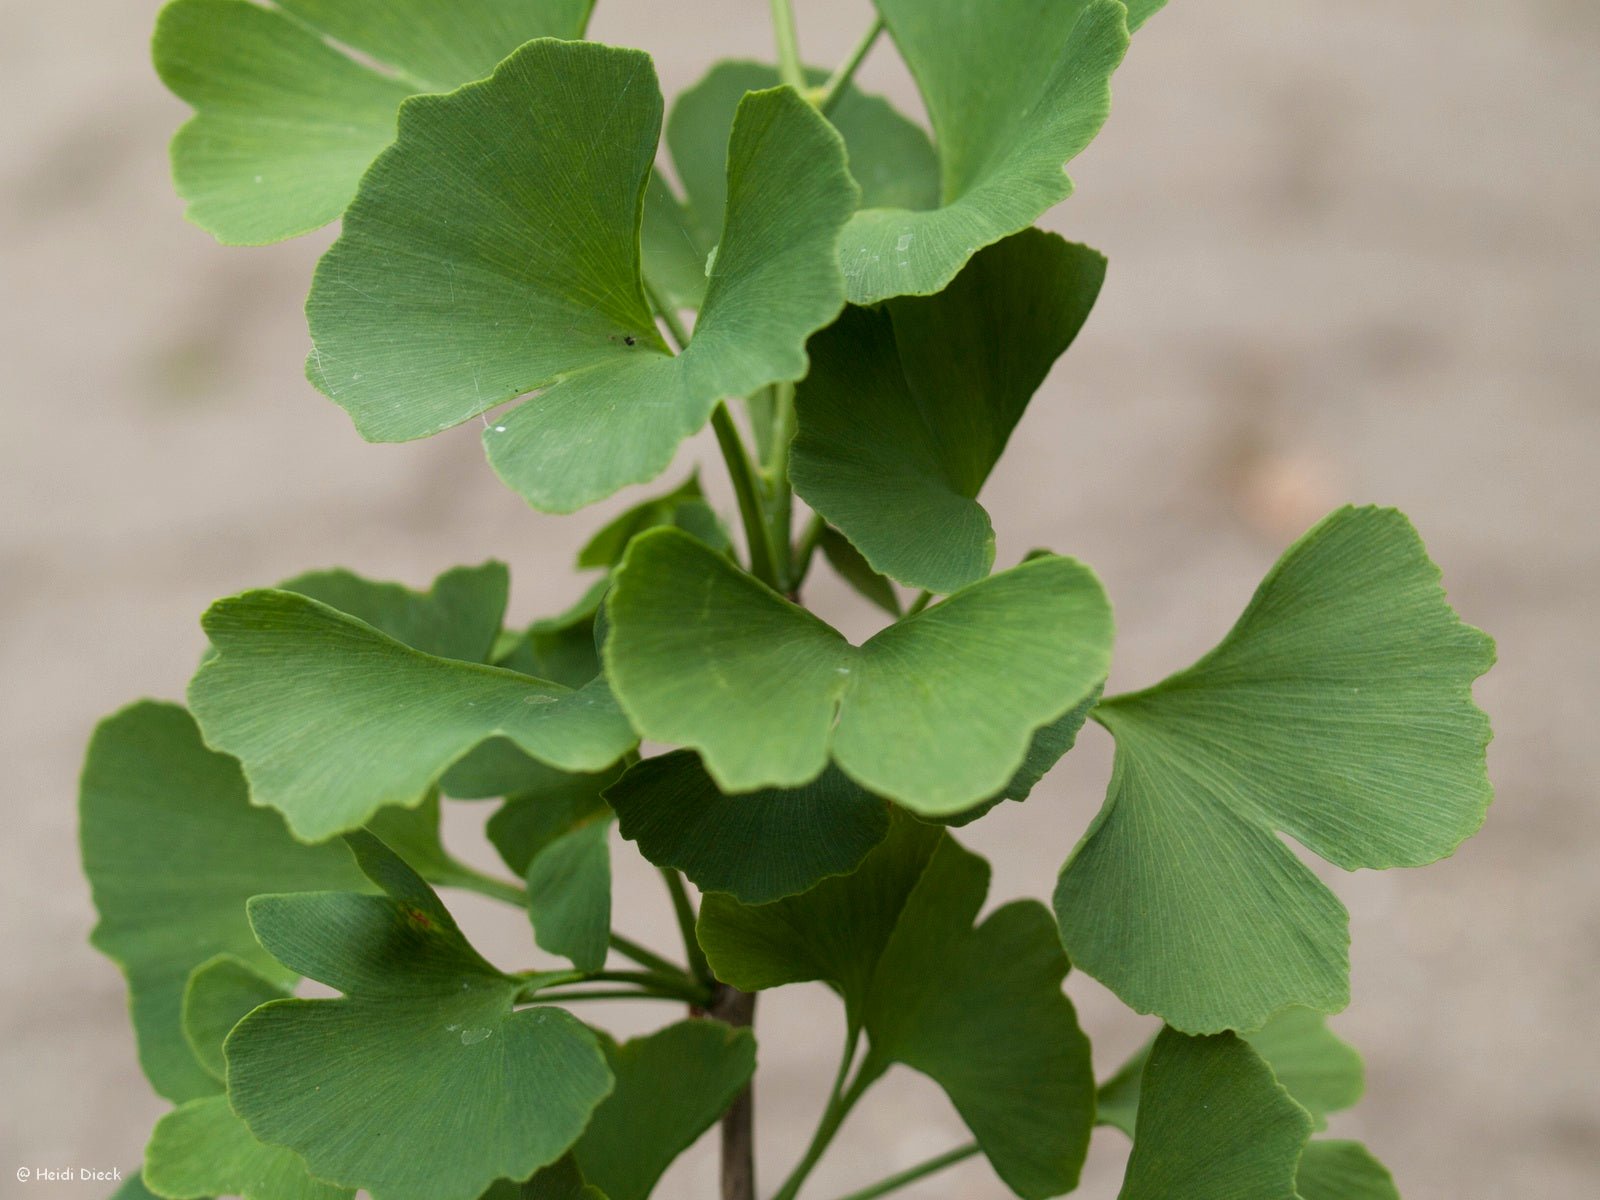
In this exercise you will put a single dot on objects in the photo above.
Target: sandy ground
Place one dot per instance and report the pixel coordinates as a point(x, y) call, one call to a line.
point(1354, 256)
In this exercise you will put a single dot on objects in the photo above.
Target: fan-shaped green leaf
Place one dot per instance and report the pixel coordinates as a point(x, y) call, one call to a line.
point(438, 1087)
point(173, 849)
point(533, 818)
point(909, 406)
point(891, 160)
point(1321, 1072)
point(1339, 711)
point(569, 894)
point(759, 847)
point(1213, 1125)
point(671, 1087)
point(684, 508)
point(994, 1030)
point(1335, 1170)
point(560, 1181)
point(935, 712)
point(494, 250)
point(1014, 89)
point(219, 994)
point(201, 1148)
point(333, 720)
point(287, 119)
point(458, 617)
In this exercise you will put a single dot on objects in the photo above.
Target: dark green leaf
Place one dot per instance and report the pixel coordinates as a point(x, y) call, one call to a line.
point(935, 712)
point(333, 720)
point(437, 1087)
point(1213, 1125)
point(908, 407)
point(671, 1087)
point(979, 1010)
point(858, 573)
point(1338, 711)
point(535, 817)
point(494, 250)
point(759, 847)
point(569, 894)
point(287, 118)
point(173, 849)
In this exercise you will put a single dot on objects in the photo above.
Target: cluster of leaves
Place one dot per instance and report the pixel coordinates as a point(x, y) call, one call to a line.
point(886, 312)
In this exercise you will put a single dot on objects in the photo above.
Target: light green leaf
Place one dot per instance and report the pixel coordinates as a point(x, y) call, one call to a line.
point(855, 570)
point(995, 1032)
point(1335, 1170)
point(428, 1046)
point(202, 1149)
point(494, 250)
point(569, 894)
point(458, 617)
point(935, 712)
point(1321, 1072)
point(1213, 1125)
point(1338, 711)
point(684, 508)
point(153, 796)
point(758, 847)
point(890, 159)
point(287, 118)
point(909, 406)
point(333, 720)
point(219, 994)
point(1013, 90)
point(671, 1087)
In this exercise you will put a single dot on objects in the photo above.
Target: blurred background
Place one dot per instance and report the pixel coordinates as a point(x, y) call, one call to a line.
point(1354, 256)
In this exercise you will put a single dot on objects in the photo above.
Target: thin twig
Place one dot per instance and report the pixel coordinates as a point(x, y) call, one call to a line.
point(840, 79)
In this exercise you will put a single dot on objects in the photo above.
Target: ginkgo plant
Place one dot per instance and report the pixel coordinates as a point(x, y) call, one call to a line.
point(862, 314)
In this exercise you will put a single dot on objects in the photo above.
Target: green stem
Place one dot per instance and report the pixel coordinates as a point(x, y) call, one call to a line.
point(669, 318)
point(841, 1100)
point(683, 907)
point(920, 603)
point(788, 37)
point(748, 491)
point(840, 79)
point(646, 957)
point(608, 994)
point(776, 470)
point(807, 548)
point(911, 1174)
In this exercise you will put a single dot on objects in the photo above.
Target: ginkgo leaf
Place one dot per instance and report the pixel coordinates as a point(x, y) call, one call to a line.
point(569, 894)
point(560, 1181)
point(219, 994)
point(1322, 1073)
point(684, 508)
point(133, 1188)
point(173, 849)
point(494, 250)
point(333, 720)
point(429, 1048)
point(760, 846)
point(458, 617)
point(637, 1132)
point(935, 712)
point(1338, 711)
point(1014, 90)
point(293, 102)
point(855, 570)
point(1213, 1124)
point(890, 157)
point(993, 1028)
point(1339, 1170)
point(544, 810)
point(908, 407)
point(202, 1149)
